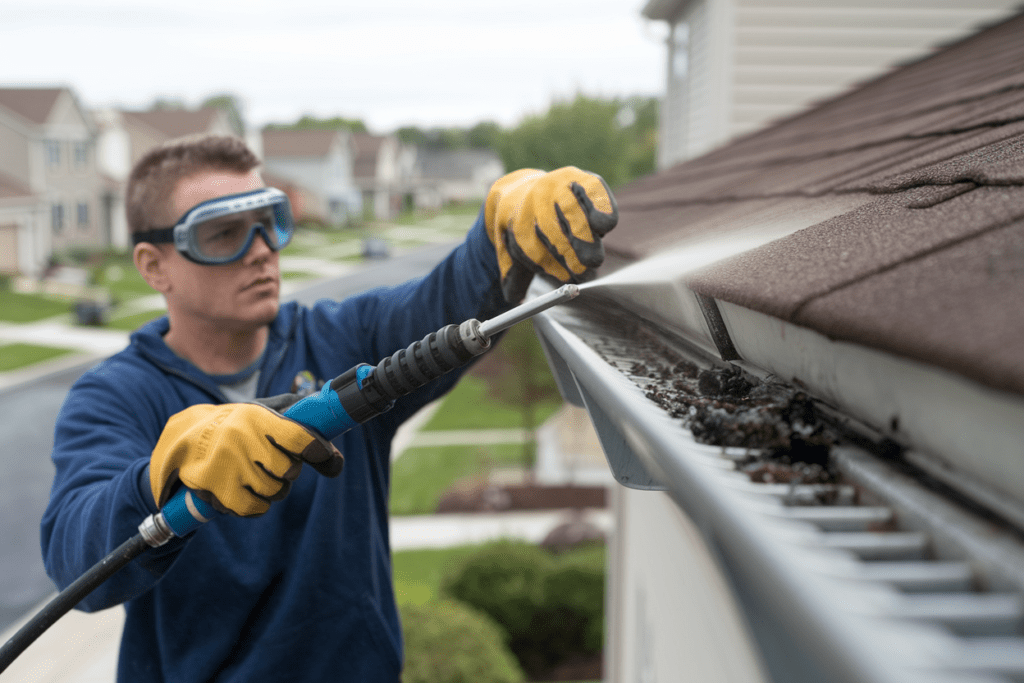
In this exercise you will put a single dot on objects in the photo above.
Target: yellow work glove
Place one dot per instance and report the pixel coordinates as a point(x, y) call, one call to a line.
point(548, 223)
point(239, 457)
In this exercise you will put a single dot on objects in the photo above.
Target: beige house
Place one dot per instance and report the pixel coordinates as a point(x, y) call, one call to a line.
point(321, 161)
point(125, 136)
point(735, 65)
point(460, 176)
point(382, 171)
point(49, 184)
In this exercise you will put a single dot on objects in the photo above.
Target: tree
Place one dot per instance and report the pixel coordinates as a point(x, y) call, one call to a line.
point(231, 106)
point(310, 122)
point(613, 138)
point(523, 377)
point(484, 135)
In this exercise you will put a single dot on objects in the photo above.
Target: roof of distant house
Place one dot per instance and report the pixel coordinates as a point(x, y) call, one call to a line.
point(367, 151)
point(298, 143)
point(175, 123)
point(34, 104)
point(910, 190)
point(12, 188)
point(456, 164)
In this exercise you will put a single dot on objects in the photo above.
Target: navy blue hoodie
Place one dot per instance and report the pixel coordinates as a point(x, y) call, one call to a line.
point(302, 593)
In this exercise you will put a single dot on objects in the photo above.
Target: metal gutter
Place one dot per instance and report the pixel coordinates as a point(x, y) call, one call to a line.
point(828, 596)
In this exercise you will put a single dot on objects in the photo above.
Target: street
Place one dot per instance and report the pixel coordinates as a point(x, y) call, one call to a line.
point(26, 438)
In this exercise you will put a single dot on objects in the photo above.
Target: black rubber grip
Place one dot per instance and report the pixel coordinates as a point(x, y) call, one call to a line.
point(422, 362)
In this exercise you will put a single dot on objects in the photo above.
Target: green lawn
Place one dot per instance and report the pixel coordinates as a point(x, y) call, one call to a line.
point(116, 273)
point(418, 573)
point(26, 308)
point(134, 321)
point(14, 356)
point(471, 405)
point(422, 475)
point(297, 275)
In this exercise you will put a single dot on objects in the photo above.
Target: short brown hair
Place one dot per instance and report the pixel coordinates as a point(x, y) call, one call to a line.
point(156, 174)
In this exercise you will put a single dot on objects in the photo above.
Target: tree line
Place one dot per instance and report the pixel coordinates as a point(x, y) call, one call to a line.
point(616, 138)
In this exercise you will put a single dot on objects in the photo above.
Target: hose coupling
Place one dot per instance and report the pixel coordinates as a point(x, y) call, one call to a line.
point(155, 530)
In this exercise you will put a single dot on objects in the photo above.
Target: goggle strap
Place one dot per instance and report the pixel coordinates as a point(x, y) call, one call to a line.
point(155, 236)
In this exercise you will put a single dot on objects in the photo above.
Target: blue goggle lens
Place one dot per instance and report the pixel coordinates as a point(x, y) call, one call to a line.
point(228, 238)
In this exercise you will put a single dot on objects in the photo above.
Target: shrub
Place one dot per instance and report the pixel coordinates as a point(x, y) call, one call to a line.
point(550, 607)
point(448, 642)
point(503, 579)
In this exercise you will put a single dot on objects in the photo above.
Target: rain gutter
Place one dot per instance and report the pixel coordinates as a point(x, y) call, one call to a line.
point(839, 627)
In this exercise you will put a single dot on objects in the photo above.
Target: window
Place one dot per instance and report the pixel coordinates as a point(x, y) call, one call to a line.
point(81, 155)
point(53, 153)
point(82, 213)
point(57, 218)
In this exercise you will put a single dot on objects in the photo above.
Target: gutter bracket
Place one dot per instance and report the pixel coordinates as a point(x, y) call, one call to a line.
point(716, 325)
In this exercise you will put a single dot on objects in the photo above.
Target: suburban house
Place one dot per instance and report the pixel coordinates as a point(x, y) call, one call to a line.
point(804, 364)
point(50, 189)
point(321, 161)
point(460, 176)
point(125, 136)
point(382, 171)
point(735, 65)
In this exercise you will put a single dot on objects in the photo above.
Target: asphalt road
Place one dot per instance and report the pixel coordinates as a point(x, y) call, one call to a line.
point(27, 416)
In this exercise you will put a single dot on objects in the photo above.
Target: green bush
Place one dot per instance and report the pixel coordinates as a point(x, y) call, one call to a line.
point(504, 579)
point(550, 607)
point(448, 642)
point(573, 597)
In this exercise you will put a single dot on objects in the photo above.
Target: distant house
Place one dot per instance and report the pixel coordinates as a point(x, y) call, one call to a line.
point(125, 136)
point(736, 65)
point(443, 176)
point(382, 172)
point(49, 184)
point(300, 197)
point(320, 160)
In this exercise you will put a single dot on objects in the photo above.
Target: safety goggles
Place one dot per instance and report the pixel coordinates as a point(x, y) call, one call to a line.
point(221, 230)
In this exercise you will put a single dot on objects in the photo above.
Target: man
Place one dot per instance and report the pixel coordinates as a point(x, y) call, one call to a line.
point(295, 583)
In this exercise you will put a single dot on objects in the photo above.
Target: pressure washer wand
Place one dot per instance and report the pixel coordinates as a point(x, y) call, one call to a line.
point(348, 400)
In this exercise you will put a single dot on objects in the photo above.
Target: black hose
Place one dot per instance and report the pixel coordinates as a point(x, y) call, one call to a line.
point(69, 597)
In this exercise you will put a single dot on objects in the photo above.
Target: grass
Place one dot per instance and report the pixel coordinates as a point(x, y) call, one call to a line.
point(421, 476)
point(472, 405)
point(116, 273)
point(134, 321)
point(297, 275)
point(418, 573)
point(18, 355)
point(25, 308)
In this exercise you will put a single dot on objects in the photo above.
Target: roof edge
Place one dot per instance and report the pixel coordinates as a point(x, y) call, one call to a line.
point(664, 10)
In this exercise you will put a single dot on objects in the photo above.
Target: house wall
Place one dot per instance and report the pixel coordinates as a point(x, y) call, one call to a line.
point(671, 615)
point(330, 177)
point(14, 150)
point(72, 180)
point(750, 62)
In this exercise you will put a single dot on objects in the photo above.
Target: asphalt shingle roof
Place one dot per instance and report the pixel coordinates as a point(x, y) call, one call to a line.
point(911, 193)
point(34, 104)
point(299, 143)
point(175, 123)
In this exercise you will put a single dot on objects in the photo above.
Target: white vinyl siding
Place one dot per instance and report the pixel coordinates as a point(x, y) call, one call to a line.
point(751, 62)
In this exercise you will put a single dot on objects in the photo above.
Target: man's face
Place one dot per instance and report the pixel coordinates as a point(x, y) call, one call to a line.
point(237, 296)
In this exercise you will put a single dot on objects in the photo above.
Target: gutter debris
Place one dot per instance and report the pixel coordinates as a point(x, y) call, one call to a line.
point(785, 439)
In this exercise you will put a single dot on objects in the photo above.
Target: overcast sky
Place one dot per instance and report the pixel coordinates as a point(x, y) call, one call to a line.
point(389, 62)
